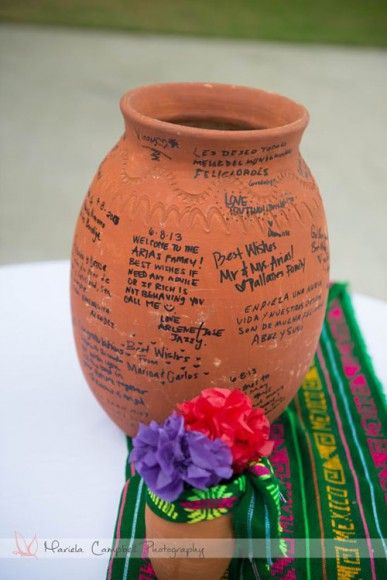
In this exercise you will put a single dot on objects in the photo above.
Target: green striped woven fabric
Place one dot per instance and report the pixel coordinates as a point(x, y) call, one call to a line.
point(331, 457)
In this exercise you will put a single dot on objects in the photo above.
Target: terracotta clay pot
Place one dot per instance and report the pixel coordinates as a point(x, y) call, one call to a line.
point(192, 567)
point(200, 256)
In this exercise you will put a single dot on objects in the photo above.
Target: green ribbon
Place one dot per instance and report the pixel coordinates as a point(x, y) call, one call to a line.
point(254, 501)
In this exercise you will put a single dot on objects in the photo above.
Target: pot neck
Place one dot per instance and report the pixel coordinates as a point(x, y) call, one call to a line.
point(207, 131)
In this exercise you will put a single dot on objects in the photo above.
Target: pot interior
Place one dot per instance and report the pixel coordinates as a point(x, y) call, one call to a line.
point(214, 123)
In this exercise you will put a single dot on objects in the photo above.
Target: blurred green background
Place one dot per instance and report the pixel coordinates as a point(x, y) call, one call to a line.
point(352, 22)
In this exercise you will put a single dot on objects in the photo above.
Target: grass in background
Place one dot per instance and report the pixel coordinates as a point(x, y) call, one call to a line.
point(352, 22)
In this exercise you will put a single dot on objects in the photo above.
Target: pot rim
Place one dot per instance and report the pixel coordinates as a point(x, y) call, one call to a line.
point(129, 104)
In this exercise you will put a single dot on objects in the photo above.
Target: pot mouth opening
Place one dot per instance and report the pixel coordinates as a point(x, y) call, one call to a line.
point(212, 109)
point(214, 123)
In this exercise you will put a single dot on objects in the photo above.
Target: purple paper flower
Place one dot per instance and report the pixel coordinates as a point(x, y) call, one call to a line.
point(166, 456)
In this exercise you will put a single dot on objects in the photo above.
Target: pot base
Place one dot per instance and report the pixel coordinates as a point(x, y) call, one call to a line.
point(180, 535)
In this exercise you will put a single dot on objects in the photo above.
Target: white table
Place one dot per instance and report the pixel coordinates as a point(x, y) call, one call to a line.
point(61, 458)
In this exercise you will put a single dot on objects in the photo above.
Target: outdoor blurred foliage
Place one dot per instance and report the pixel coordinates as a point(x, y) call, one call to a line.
point(352, 22)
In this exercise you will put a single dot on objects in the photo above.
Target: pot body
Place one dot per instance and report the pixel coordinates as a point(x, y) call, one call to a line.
point(189, 536)
point(200, 256)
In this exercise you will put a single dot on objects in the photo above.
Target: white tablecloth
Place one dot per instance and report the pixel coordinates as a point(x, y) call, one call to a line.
point(61, 459)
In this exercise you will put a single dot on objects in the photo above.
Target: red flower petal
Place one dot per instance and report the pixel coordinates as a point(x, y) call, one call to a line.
point(229, 415)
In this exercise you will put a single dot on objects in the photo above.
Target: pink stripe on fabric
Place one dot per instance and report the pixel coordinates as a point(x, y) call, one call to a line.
point(324, 369)
point(210, 503)
point(119, 523)
point(260, 470)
